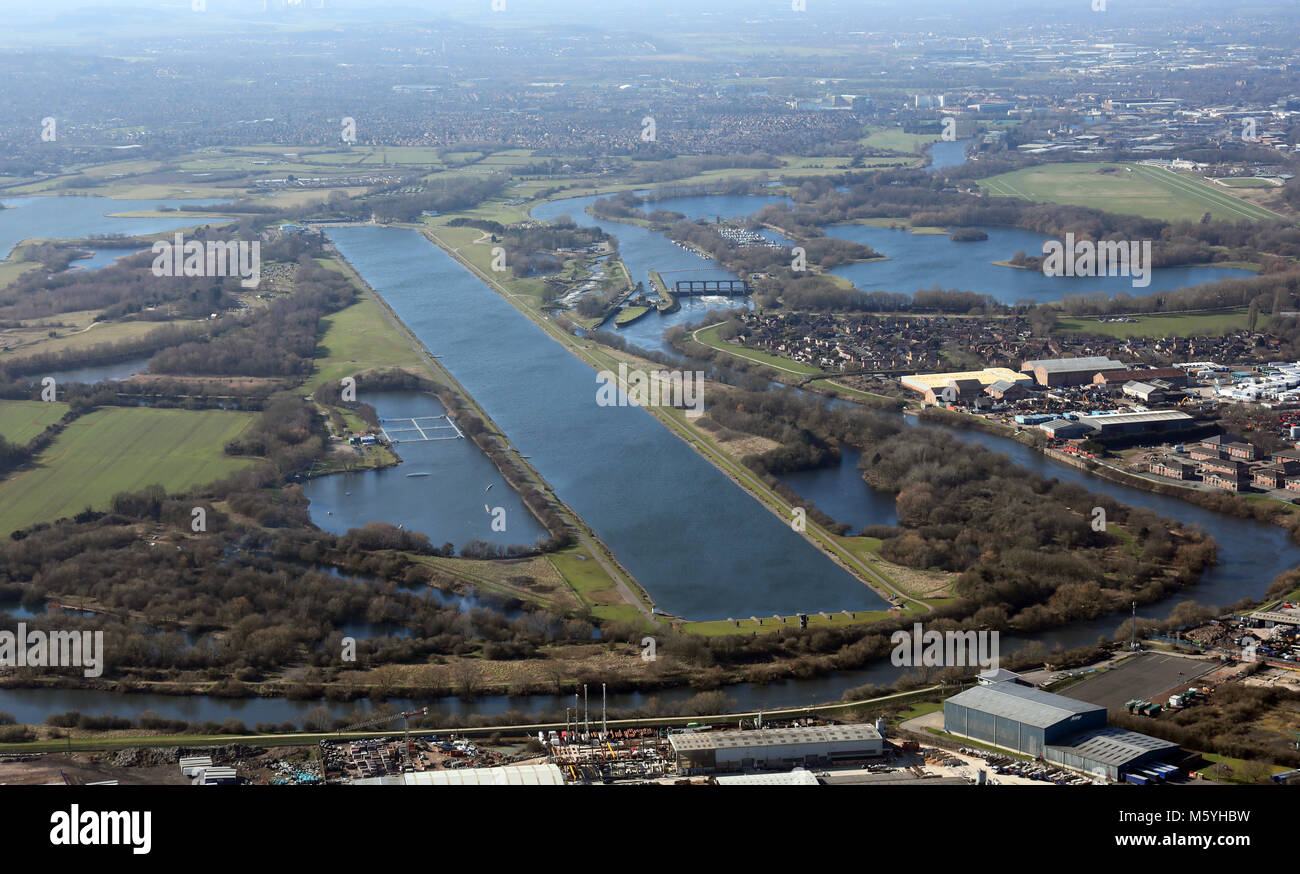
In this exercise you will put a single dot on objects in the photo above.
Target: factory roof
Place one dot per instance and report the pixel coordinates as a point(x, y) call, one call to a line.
point(797, 777)
point(986, 377)
point(1022, 703)
point(1142, 375)
point(1112, 746)
point(766, 737)
point(506, 775)
point(997, 675)
point(1130, 418)
point(1285, 618)
point(888, 778)
point(1094, 363)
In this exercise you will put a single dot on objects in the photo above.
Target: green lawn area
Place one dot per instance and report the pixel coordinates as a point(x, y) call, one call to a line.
point(747, 626)
point(120, 449)
point(1133, 189)
point(594, 586)
point(20, 421)
point(1206, 323)
point(1246, 182)
point(1236, 769)
point(359, 338)
point(894, 138)
point(920, 708)
point(630, 314)
point(12, 269)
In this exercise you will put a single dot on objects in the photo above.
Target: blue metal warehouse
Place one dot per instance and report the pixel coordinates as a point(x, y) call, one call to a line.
point(1058, 729)
point(1019, 718)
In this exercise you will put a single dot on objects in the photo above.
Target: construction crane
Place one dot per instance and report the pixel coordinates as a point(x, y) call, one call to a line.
point(385, 718)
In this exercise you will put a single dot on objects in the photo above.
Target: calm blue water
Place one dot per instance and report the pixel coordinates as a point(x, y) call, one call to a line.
point(66, 218)
point(448, 504)
point(924, 261)
point(99, 372)
point(840, 492)
point(916, 261)
point(99, 258)
point(944, 154)
point(701, 546)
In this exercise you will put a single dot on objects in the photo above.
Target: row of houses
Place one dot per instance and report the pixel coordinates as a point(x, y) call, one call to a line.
point(1227, 461)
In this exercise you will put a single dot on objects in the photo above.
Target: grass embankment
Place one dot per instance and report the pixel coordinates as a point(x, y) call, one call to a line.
point(121, 449)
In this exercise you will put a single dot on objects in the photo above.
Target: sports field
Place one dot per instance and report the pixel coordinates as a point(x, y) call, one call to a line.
point(20, 421)
point(1133, 189)
point(121, 449)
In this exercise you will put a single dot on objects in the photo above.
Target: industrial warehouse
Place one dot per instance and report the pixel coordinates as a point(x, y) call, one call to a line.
point(774, 748)
point(1060, 730)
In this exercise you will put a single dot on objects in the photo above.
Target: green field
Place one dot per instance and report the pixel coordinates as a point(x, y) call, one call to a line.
point(893, 138)
point(121, 449)
point(1211, 323)
point(20, 421)
point(359, 338)
point(1246, 182)
point(1132, 189)
point(589, 580)
point(12, 269)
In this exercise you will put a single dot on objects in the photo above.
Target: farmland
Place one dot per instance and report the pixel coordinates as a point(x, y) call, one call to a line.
point(121, 449)
point(20, 421)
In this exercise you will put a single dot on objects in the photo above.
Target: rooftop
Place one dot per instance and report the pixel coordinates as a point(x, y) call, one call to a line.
point(988, 376)
point(797, 777)
point(1129, 418)
point(1069, 365)
point(1113, 746)
point(768, 737)
point(506, 775)
point(1023, 704)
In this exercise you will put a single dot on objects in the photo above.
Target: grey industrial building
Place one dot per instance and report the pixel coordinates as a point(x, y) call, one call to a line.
point(783, 748)
point(1109, 752)
point(1118, 424)
point(1052, 372)
point(1123, 424)
point(1019, 717)
point(1060, 730)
